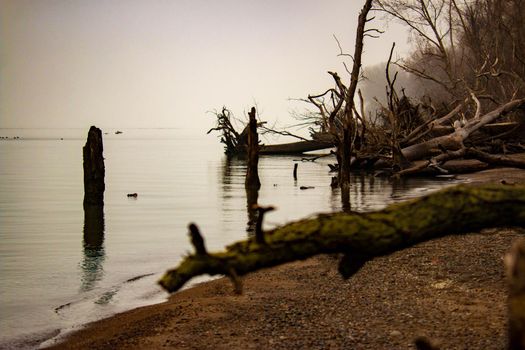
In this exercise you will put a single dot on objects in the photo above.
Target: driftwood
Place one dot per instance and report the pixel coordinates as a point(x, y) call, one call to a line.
point(295, 147)
point(485, 160)
point(493, 129)
point(456, 210)
point(455, 140)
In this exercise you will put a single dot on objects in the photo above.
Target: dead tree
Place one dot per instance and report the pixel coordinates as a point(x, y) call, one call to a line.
point(342, 118)
point(470, 55)
point(346, 138)
point(233, 142)
point(94, 170)
point(252, 172)
point(236, 143)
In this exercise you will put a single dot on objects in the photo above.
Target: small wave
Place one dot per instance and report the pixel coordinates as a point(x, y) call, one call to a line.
point(102, 297)
point(107, 296)
point(29, 341)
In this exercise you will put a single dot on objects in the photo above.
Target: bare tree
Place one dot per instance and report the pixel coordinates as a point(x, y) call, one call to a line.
point(347, 138)
point(473, 50)
point(336, 106)
point(465, 46)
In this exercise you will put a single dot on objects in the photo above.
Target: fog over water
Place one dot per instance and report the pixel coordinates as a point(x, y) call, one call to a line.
point(159, 63)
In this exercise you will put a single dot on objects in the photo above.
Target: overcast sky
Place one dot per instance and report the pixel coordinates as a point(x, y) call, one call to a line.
point(165, 63)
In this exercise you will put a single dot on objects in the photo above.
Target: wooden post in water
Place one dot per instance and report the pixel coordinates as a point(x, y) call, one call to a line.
point(252, 173)
point(252, 196)
point(94, 170)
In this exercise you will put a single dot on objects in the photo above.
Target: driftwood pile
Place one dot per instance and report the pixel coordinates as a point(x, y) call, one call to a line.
point(423, 143)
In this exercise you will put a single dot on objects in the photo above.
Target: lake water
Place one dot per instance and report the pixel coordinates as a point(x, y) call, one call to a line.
point(52, 281)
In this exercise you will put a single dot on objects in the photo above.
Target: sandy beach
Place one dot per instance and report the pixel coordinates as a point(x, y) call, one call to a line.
point(451, 290)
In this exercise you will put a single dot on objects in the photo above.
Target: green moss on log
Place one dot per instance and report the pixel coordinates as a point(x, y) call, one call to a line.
point(455, 210)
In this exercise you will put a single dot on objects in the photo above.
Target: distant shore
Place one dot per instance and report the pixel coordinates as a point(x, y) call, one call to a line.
point(451, 290)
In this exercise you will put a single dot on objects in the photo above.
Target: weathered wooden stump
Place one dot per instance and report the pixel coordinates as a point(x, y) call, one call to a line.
point(93, 226)
point(94, 170)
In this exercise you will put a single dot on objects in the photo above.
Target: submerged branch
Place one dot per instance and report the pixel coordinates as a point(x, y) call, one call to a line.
point(456, 210)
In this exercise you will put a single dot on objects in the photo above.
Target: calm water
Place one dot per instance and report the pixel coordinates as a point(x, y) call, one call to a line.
point(53, 281)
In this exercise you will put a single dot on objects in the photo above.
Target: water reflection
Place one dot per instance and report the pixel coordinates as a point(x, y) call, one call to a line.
point(94, 255)
point(252, 196)
point(365, 192)
point(281, 190)
point(233, 171)
point(226, 175)
point(345, 199)
point(400, 187)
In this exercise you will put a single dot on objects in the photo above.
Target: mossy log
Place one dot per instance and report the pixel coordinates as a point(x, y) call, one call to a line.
point(94, 170)
point(359, 236)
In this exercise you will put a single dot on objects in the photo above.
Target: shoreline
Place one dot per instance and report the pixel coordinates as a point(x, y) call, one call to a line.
point(438, 289)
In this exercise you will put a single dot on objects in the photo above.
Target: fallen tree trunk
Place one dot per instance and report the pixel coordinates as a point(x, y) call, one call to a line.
point(295, 147)
point(454, 141)
point(493, 129)
point(456, 210)
point(454, 166)
point(439, 162)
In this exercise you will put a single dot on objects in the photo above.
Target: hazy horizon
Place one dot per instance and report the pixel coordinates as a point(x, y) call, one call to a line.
point(162, 63)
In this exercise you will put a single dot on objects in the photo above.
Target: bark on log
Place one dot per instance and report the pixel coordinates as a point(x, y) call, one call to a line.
point(252, 172)
point(456, 210)
point(94, 170)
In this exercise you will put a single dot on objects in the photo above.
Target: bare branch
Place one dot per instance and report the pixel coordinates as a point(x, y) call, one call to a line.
point(478, 105)
point(341, 53)
point(265, 130)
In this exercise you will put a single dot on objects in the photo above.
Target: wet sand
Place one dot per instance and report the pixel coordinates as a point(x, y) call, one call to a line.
point(451, 290)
